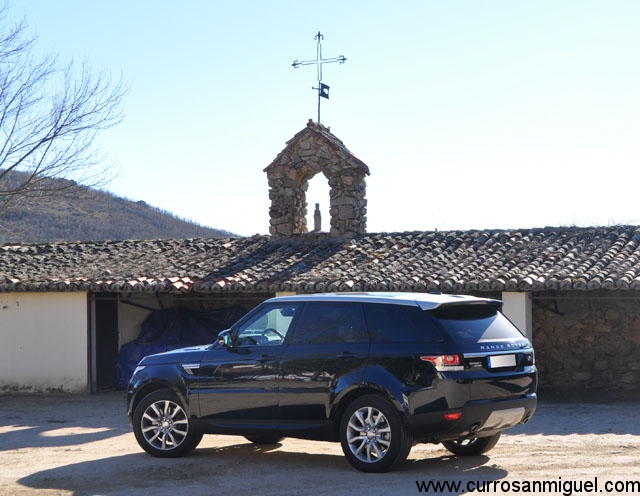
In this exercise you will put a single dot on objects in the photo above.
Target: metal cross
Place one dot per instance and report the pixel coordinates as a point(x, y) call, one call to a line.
point(323, 89)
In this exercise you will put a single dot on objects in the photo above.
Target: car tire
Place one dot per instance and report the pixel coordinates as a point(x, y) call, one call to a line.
point(162, 426)
point(264, 439)
point(471, 447)
point(373, 436)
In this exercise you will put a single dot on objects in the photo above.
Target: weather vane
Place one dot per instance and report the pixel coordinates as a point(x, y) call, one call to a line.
point(323, 89)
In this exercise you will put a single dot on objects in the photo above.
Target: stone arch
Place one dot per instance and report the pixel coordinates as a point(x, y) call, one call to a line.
point(312, 151)
point(317, 190)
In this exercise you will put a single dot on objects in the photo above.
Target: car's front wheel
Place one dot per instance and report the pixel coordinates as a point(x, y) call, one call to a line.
point(471, 447)
point(372, 435)
point(162, 427)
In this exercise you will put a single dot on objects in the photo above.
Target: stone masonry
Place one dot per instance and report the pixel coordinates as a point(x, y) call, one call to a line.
point(588, 340)
point(314, 150)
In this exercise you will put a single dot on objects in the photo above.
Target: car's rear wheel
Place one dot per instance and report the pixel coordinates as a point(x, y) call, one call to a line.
point(162, 427)
point(471, 447)
point(265, 439)
point(372, 435)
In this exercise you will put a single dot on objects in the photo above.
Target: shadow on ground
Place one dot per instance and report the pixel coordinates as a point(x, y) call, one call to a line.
point(246, 467)
point(36, 421)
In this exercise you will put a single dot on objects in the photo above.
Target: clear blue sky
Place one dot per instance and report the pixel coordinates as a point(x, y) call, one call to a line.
point(470, 114)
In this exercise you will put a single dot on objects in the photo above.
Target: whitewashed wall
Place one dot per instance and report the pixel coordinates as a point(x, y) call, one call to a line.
point(44, 342)
point(517, 307)
point(130, 317)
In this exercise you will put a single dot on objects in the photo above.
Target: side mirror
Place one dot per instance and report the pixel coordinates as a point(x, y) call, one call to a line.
point(224, 338)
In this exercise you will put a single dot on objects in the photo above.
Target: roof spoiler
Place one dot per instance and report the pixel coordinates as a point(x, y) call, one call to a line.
point(460, 301)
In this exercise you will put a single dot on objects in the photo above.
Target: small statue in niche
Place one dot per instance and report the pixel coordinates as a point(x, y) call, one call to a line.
point(317, 219)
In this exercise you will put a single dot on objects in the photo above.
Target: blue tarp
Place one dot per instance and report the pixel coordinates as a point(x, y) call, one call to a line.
point(165, 330)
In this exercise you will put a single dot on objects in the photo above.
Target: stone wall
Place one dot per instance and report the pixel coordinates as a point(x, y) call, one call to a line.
point(587, 339)
point(316, 151)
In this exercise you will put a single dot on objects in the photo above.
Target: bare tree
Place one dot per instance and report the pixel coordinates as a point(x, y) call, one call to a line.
point(49, 117)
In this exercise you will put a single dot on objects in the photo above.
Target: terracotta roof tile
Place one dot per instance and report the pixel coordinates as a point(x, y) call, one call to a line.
point(564, 258)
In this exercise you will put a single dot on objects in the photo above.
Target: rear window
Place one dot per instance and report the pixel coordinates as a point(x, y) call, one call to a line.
point(476, 324)
point(400, 324)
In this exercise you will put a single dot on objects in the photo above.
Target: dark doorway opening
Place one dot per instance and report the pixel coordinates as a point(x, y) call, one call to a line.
point(106, 340)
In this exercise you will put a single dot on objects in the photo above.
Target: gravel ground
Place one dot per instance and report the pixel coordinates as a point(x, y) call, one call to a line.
point(83, 445)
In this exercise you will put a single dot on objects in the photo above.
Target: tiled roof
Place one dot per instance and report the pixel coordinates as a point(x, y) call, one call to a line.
point(563, 258)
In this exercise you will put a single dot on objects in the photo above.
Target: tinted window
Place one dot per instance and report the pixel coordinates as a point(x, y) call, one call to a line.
point(267, 327)
point(329, 322)
point(400, 324)
point(475, 324)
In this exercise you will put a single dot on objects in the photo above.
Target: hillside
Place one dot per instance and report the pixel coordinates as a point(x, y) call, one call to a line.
point(92, 215)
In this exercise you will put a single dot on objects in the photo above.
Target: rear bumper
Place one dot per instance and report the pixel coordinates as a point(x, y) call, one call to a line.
point(479, 418)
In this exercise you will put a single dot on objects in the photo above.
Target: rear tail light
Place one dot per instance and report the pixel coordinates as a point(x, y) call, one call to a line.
point(444, 363)
point(452, 416)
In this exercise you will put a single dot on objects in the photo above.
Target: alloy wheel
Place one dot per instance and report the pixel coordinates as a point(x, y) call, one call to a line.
point(164, 425)
point(368, 434)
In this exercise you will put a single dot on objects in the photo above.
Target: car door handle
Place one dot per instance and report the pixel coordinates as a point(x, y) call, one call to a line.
point(347, 355)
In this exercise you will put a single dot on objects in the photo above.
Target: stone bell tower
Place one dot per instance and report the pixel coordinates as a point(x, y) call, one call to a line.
point(314, 150)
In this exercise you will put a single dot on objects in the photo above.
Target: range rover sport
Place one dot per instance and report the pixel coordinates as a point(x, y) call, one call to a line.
point(377, 372)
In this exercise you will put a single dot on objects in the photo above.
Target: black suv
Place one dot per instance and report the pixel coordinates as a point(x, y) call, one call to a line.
point(377, 372)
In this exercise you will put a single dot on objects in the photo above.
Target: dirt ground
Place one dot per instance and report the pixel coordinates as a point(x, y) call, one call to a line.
point(82, 445)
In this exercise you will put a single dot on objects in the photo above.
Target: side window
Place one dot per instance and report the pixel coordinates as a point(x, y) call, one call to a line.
point(268, 327)
point(329, 322)
point(400, 324)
